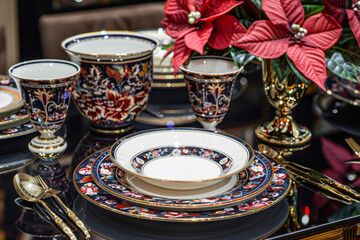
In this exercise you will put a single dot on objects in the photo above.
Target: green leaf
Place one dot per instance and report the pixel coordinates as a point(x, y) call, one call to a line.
point(297, 72)
point(241, 57)
point(281, 68)
point(312, 9)
point(247, 23)
point(352, 57)
point(257, 3)
point(166, 47)
point(337, 65)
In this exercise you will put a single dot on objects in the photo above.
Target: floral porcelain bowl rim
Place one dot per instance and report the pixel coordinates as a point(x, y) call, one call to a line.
point(152, 42)
point(211, 74)
point(58, 77)
point(121, 152)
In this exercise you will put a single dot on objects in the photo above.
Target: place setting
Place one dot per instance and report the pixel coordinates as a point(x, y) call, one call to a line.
point(168, 175)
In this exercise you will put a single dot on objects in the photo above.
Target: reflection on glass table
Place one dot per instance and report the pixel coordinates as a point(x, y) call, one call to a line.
point(311, 213)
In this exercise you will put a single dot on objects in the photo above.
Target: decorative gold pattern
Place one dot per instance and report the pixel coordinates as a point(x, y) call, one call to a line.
point(282, 130)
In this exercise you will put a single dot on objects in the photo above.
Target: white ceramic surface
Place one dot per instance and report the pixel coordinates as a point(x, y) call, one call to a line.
point(5, 99)
point(182, 175)
point(211, 66)
point(109, 45)
point(144, 187)
point(175, 167)
point(10, 101)
point(44, 70)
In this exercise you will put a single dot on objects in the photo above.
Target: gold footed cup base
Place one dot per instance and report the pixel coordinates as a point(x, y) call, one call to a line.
point(110, 131)
point(47, 148)
point(283, 132)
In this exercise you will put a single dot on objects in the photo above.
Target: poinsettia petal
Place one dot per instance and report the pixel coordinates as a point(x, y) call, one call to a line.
point(216, 8)
point(178, 30)
point(173, 6)
point(322, 29)
point(227, 29)
point(310, 62)
point(196, 40)
point(194, 5)
point(354, 22)
point(336, 9)
point(180, 17)
point(181, 54)
point(263, 39)
point(284, 13)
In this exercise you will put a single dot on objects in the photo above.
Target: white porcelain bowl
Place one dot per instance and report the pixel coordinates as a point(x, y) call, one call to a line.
point(182, 158)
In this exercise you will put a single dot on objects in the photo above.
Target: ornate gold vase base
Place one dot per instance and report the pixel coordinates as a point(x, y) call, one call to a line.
point(282, 131)
point(47, 148)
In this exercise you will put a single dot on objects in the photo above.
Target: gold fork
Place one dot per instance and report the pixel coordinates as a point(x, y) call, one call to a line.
point(50, 193)
point(353, 145)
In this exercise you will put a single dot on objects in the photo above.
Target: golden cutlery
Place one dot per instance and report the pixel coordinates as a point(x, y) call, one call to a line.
point(49, 192)
point(313, 177)
point(28, 188)
point(353, 145)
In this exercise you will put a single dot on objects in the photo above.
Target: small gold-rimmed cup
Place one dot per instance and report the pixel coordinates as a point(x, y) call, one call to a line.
point(45, 85)
point(210, 82)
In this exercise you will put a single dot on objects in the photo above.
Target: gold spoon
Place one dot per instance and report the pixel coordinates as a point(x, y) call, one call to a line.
point(49, 192)
point(30, 190)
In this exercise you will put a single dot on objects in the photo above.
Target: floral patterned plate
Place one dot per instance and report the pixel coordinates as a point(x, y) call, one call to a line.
point(181, 158)
point(17, 124)
point(14, 120)
point(218, 195)
point(88, 189)
point(21, 130)
point(10, 101)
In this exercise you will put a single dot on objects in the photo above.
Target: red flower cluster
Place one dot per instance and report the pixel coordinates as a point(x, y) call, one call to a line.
point(193, 23)
point(339, 10)
point(304, 42)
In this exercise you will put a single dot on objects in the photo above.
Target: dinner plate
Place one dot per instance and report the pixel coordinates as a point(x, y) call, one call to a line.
point(181, 158)
point(10, 101)
point(14, 120)
point(228, 192)
point(109, 225)
point(136, 184)
point(334, 89)
point(88, 189)
point(21, 130)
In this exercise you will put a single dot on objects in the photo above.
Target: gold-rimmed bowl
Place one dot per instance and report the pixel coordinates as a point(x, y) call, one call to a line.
point(181, 158)
point(116, 76)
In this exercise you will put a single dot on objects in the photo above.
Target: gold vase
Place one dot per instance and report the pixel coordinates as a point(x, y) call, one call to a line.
point(282, 130)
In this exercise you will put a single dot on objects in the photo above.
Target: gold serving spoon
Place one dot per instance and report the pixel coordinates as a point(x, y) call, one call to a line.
point(49, 192)
point(30, 190)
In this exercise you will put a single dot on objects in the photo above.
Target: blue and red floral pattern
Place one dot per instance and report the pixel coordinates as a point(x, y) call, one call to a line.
point(260, 176)
point(87, 188)
point(210, 101)
point(224, 161)
point(112, 95)
point(47, 105)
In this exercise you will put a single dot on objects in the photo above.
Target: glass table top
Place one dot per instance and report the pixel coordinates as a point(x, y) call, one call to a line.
point(301, 215)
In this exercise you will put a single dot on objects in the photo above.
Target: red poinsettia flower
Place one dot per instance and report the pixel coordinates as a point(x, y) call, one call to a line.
point(189, 22)
point(304, 42)
point(338, 9)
